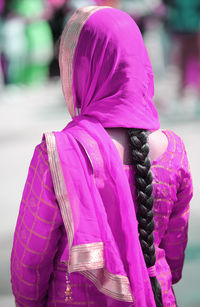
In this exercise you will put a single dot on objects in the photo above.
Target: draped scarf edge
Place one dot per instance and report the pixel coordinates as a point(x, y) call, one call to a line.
point(86, 259)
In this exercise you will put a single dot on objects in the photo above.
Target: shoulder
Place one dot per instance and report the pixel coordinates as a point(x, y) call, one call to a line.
point(176, 143)
point(41, 150)
point(165, 141)
point(176, 151)
point(172, 135)
point(42, 147)
point(39, 161)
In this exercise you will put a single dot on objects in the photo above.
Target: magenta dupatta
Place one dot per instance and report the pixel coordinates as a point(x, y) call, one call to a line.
point(107, 82)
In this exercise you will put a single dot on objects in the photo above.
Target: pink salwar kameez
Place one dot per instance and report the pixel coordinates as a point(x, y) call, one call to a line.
point(38, 276)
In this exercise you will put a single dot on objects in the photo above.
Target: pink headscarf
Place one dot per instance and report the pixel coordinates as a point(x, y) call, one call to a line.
point(107, 81)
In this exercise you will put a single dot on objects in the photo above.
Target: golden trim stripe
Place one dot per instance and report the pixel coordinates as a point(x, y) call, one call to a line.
point(86, 256)
point(59, 186)
point(115, 286)
point(69, 41)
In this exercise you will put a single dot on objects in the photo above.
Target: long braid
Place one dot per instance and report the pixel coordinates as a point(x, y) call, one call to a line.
point(144, 188)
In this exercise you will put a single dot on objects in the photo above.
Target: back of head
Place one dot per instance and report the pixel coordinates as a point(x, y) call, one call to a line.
point(105, 69)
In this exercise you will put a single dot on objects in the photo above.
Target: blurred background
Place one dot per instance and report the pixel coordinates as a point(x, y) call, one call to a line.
point(31, 100)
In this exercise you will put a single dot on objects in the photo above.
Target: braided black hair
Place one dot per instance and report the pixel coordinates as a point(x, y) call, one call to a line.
point(144, 188)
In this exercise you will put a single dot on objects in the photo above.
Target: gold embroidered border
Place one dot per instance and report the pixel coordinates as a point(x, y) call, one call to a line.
point(115, 286)
point(86, 256)
point(69, 40)
point(59, 186)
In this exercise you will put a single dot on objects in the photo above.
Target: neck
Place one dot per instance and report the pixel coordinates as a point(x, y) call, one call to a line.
point(119, 137)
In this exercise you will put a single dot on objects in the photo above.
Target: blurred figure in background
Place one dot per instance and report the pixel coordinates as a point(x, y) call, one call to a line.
point(143, 11)
point(113, 3)
point(27, 42)
point(2, 5)
point(13, 45)
point(59, 10)
point(183, 23)
point(150, 15)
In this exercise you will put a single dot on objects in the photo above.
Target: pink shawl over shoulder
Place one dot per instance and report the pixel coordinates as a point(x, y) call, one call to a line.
point(107, 82)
